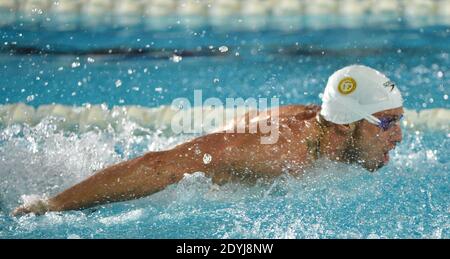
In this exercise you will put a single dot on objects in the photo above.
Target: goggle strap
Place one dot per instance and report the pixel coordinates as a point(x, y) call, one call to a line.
point(372, 119)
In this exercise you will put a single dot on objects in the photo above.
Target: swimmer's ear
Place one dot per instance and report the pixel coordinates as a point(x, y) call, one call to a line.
point(346, 129)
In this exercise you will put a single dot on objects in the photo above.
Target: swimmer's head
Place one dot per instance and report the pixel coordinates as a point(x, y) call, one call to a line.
point(356, 92)
point(367, 106)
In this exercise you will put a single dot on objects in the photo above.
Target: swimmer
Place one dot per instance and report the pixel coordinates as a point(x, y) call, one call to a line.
point(357, 123)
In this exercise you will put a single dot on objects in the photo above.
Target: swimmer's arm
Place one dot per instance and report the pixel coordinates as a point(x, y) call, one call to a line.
point(124, 181)
point(155, 171)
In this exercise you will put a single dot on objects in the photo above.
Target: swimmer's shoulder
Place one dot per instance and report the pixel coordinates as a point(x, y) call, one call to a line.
point(301, 120)
point(299, 112)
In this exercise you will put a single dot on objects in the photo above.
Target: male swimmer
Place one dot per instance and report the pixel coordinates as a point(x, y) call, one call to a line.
point(358, 123)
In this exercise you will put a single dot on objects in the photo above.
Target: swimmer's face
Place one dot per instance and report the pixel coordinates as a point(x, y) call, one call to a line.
point(372, 143)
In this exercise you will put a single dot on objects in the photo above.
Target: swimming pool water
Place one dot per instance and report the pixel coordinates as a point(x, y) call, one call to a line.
point(408, 198)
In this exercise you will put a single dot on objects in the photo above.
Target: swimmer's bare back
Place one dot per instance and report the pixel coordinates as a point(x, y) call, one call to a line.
point(222, 156)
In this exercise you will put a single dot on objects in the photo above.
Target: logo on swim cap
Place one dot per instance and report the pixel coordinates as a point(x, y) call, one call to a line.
point(347, 85)
point(390, 84)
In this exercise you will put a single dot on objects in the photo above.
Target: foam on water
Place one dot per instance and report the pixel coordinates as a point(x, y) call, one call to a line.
point(41, 158)
point(407, 198)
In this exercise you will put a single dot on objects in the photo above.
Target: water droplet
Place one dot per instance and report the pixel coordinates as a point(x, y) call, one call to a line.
point(30, 98)
point(118, 83)
point(440, 74)
point(223, 49)
point(90, 60)
point(75, 64)
point(176, 58)
point(207, 158)
point(216, 80)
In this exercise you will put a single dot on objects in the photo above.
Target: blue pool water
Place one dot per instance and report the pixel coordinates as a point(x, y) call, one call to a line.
point(41, 65)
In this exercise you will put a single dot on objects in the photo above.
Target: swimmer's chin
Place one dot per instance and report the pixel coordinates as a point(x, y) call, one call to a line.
point(373, 167)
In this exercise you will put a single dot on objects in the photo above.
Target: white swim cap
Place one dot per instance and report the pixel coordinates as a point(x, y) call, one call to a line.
point(356, 92)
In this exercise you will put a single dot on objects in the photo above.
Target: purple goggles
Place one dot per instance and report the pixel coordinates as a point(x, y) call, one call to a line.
point(386, 123)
